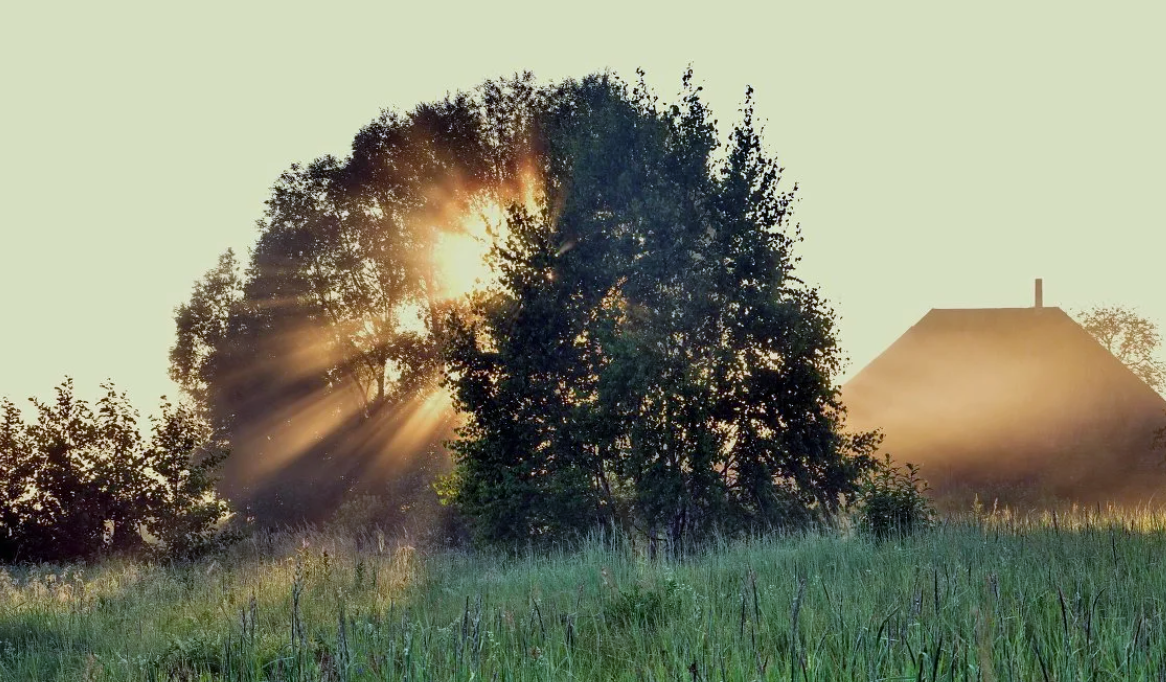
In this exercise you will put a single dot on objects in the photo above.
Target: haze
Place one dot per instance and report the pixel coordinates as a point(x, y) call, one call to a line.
point(945, 156)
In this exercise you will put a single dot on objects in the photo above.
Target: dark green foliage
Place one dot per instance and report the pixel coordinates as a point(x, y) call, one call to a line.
point(893, 501)
point(648, 359)
point(82, 481)
point(16, 470)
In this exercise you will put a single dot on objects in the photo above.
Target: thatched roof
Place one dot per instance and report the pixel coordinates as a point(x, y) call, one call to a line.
point(1016, 403)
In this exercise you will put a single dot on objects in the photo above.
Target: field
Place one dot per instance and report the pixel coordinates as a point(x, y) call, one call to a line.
point(989, 598)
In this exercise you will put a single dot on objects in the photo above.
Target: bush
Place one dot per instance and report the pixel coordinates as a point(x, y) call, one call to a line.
point(82, 482)
point(892, 501)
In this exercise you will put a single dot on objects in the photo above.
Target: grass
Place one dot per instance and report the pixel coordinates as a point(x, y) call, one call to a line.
point(1078, 597)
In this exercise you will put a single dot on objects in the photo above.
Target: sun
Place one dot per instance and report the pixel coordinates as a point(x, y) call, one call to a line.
point(462, 259)
point(461, 252)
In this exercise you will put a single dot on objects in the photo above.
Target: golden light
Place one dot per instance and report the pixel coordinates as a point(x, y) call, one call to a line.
point(389, 442)
point(462, 253)
point(462, 259)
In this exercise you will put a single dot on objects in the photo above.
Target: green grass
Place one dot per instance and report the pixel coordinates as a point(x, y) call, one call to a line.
point(994, 599)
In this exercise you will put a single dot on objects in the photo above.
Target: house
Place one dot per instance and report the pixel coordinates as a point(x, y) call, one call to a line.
point(1016, 404)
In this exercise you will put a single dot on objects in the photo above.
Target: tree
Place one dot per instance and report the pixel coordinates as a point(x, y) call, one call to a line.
point(202, 326)
point(648, 356)
point(315, 359)
point(1131, 338)
point(183, 458)
point(16, 471)
point(81, 481)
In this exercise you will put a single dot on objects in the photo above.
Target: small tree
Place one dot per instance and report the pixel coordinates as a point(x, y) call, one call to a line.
point(16, 471)
point(893, 501)
point(183, 510)
point(80, 481)
point(1131, 338)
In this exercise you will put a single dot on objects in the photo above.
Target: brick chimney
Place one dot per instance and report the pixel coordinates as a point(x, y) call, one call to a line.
point(1040, 293)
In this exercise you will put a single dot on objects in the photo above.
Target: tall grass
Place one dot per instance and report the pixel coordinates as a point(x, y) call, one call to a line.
point(998, 597)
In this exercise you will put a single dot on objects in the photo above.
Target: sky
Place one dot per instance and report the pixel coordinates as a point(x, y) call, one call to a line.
point(945, 155)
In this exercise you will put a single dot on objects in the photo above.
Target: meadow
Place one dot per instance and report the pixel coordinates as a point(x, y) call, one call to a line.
point(989, 597)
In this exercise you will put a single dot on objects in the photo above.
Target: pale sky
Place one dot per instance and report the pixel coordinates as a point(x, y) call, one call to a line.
point(946, 155)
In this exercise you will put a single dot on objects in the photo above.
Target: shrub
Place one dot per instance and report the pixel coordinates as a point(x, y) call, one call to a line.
point(892, 501)
point(80, 481)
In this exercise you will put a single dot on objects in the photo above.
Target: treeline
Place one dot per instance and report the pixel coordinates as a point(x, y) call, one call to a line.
point(646, 358)
point(81, 481)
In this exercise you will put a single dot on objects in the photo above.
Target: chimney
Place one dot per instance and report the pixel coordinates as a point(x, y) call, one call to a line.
point(1040, 293)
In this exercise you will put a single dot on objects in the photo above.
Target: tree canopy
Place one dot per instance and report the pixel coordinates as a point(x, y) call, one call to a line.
point(648, 357)
point(642, 354)
point(319, 361)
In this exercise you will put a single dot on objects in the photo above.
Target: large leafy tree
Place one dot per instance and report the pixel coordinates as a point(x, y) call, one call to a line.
point(315, 355)
point(648, 356)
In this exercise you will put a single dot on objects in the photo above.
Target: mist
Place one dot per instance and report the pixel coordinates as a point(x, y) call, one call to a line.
point(321, 359)
point(1015, 405)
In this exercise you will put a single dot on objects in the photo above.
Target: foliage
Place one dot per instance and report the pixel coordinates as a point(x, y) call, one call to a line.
point(202, 326)
point(82, 482)
point(1131, 338)
point(647, 359)
point(311, 356)
point(892, 501)
point(648, 337)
